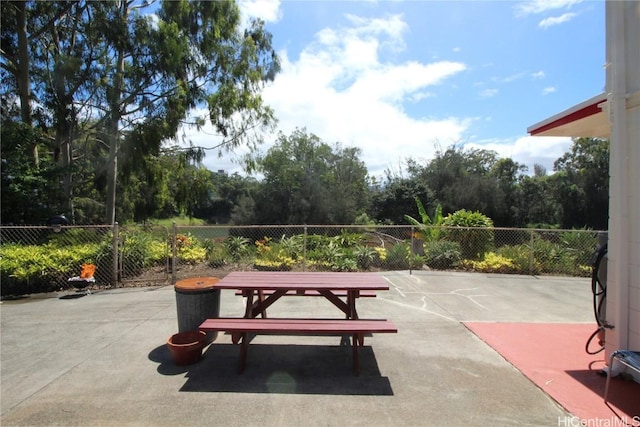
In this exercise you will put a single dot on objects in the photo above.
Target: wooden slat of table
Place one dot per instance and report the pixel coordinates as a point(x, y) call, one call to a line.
point(326, 326)
point(304, 280)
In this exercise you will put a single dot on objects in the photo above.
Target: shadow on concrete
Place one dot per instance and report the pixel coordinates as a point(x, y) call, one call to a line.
point(73, 296)
point(284, 369)
point(162, 356)
point(624, 393)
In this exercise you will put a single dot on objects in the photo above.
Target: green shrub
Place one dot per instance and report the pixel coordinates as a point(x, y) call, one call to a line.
point(280, 263)
point(416, 261)
point(555, 258)
point(347, 239)
point(549, 257)
point(365, 256)
point(380, 257)
point(473, 243)
point(442, 254)
point(274, 255)
point(293, 246)
point(192, 254)
point(159, 251)
point(190, 249)
point(217, 254)
point(238, 247)
point(135, 253)
point(41, 268)
point(582, 243)
point(218, 257)
point(397, 256)
point(344, 263)
point(520, 256)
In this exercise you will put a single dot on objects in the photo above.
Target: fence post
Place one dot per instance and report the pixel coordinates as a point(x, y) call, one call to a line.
point(531, 257)
point(411, 254)
point(114, 256)
point(174, 253)
point(304, 250)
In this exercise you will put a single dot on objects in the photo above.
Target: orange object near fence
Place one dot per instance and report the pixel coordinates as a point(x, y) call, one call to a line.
point(87, 271)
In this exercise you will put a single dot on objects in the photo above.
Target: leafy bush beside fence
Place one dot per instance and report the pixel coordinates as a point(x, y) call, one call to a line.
point(52, 258)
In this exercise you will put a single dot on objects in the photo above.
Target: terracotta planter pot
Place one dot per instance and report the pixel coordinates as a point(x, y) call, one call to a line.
point(186, 347)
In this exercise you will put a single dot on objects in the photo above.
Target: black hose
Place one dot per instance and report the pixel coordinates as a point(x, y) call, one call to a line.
point(599, 291)
point(596, 333)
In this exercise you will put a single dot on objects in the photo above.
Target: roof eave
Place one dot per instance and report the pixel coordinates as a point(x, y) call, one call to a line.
point(586, 119)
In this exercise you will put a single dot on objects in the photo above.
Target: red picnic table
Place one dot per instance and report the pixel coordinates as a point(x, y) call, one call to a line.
point(270, 286)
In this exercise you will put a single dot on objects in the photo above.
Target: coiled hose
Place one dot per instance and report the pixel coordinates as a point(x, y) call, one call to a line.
point(599, 291)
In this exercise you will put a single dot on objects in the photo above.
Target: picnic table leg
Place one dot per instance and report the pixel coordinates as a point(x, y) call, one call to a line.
point(248, 311)
point(351, 303)
point(244, 348)
point(261, 299)
point(353, 313)
point(356, 361)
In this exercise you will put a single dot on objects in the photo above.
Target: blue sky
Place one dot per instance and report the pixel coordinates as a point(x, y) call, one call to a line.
point(403, 79)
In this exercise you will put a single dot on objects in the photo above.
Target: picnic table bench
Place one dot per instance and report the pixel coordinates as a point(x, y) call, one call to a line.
point(357, 328)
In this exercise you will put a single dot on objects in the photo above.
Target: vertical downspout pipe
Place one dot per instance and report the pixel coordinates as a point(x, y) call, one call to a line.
point(619, 224)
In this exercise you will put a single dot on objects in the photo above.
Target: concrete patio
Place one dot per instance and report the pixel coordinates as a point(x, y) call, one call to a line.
point(102, 359)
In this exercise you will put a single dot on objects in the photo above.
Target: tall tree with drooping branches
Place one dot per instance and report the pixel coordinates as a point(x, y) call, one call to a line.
point(128, 75)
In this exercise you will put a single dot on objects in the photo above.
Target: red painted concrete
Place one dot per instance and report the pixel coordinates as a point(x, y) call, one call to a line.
point(553, 356)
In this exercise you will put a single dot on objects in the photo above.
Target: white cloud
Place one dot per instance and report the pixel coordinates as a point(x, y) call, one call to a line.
point(541, 6)
point(513, 77)
point(538, 75)
point(556, 20)
point(340, 89)
point(488, 93)
point(153, 19)
point(548, 90)
point(529, 150)
point(419, 96)
point(267, 10)
point(394, 26)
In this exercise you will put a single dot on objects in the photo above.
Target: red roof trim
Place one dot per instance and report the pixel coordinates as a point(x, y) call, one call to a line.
point(587, 111)
point(583, 110)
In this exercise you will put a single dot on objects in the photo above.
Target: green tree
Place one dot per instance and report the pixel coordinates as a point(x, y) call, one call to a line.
point(396, 197)
point(460, 179)
point(27, 196)
point(507, 175)
point(227, 193)
point(349, 183)
point(138, 76)
point(306, 181)
point(19, 32)
point(535, 205)
point(581, 184)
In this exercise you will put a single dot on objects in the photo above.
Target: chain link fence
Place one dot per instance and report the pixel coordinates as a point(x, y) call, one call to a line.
point(44, 258)
point(41, 258)
point(383, 248)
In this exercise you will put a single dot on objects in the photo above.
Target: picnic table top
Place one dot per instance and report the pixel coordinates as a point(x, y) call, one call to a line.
point(303, 280)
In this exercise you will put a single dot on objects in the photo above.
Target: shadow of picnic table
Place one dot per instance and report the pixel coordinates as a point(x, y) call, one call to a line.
point(279, 368)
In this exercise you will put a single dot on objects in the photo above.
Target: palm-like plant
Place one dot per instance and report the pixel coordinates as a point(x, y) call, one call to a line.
point(429, 228)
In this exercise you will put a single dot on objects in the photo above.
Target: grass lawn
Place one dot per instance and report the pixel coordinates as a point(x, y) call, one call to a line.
point(180, 221)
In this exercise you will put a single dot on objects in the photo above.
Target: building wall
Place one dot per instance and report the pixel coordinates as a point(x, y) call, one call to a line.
point(623, 94)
